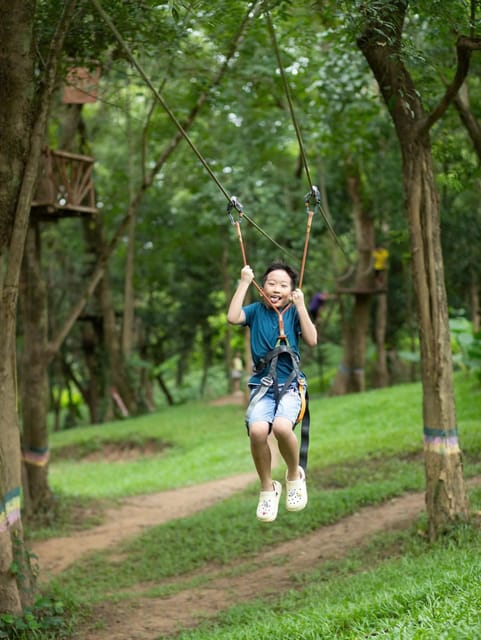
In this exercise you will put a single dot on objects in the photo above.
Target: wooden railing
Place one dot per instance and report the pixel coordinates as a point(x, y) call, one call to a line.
point(65, 185)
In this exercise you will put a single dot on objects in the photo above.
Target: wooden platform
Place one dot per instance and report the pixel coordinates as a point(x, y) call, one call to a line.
point(65, 186)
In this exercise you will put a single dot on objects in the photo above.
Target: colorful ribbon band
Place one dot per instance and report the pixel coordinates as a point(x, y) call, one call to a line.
point(441, 441)
point(9, 509)
point(37, 457)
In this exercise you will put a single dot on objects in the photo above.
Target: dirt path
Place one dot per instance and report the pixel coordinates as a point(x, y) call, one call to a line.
point(134, 515)
point(270, 572)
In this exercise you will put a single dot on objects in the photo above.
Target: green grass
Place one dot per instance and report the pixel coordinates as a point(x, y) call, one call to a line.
point(427, 593)
point(364, 449)
point(207, 442)
point(201, 443)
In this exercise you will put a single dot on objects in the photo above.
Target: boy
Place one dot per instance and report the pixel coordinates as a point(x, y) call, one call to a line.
point(274, 408)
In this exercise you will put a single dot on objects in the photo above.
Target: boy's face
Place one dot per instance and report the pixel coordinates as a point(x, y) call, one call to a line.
point(278, 288)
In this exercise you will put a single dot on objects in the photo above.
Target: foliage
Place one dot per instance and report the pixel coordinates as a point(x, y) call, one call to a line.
point(187, 255)
point(47, 619)
point(467, 350)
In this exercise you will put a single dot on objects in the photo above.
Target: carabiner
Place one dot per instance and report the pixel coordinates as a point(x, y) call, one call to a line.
point(313, 194)
point(234, 204)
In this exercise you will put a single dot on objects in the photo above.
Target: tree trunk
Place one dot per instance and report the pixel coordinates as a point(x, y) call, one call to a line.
point(114, 376)
point(469, 120)
point(446, 498)
point(94, 390)
point(117, 372)
point(16, 117)
point(355, 318)
point(34, 377)
point(382, 373)
point(129, 302)
point(23, 129)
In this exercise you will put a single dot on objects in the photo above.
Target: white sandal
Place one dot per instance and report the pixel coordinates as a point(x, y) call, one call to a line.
point(296, 492)
point(269, 503)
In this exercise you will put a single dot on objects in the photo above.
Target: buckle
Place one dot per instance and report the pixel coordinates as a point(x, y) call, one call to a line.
point(267, 381)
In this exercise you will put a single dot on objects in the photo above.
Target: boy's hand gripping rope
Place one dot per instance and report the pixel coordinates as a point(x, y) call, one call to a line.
point(235, 204)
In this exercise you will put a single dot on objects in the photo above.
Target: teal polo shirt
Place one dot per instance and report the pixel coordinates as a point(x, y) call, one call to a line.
point(264, 332)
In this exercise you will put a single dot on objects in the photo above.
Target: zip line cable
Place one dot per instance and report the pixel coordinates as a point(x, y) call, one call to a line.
point(297, 129)
point(176, 122)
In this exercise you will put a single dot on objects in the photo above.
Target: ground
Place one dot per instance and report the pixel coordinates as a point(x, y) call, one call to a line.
point(270, 572)
point(220, 587)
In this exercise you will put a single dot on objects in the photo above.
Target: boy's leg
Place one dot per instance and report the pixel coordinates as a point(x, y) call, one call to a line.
point(296, 489)
point(270, 490)
point(288, 446)
point(261, 453)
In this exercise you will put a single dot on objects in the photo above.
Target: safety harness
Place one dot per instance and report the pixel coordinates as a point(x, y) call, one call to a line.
point(270, 381)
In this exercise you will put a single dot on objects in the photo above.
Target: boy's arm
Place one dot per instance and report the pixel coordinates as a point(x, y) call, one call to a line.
point(308, 328)
point(235, 313)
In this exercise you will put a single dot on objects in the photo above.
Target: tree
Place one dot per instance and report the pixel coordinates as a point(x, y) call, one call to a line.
point(381, 44)
point(23, 121)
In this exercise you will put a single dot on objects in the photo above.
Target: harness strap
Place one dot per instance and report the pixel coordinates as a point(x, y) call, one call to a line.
point(305, 424)
point(271, 359)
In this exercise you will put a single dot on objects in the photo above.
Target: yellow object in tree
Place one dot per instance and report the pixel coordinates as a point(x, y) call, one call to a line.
point(380, 255)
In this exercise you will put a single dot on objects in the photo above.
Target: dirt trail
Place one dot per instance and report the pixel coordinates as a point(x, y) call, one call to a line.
point(272, 572)
point(134, 515)
point(269, 572)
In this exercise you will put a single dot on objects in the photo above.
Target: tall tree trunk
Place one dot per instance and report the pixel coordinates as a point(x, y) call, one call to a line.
point(226, 286)
point(117, 371)
point(446, 497)
point(463, 106)
point(93, 390)
point(34, 376)
point(23, 127)
point(382, 373)
point(129, 305)
point(351, 376)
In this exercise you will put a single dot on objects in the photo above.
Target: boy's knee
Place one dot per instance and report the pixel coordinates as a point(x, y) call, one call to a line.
point(258, 431)
point(282, 428)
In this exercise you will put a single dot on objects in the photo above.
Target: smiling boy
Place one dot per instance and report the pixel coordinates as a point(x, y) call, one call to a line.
point(275, 399)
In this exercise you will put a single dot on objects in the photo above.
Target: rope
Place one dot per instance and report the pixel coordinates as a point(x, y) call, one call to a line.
point(297, 128)
point(183, 132)
point(158, 96)
point(287, 91)
point(172, 116)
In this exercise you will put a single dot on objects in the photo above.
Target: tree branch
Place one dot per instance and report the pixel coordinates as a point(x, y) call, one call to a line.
point(464, 48)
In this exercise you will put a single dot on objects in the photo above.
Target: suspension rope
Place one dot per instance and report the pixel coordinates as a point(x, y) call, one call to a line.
point(233, 202)
point(297, 129)
point(157, 94)
point(287, 91)
point(172, 116)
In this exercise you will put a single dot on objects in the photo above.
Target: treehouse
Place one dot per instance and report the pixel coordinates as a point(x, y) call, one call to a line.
point(65, 186)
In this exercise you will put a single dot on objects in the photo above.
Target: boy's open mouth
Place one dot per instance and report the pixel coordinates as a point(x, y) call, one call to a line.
point(276, 300)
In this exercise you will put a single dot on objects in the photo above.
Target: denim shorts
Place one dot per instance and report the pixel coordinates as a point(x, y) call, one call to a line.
point(265, 409)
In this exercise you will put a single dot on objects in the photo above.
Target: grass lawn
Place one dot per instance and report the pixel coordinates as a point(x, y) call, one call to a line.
point(364, 449)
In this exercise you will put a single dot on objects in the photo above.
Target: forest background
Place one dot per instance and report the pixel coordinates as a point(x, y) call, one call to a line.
point(123, 309)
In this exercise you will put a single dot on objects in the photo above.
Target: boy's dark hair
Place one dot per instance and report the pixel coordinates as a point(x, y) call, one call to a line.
point(274, 266)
